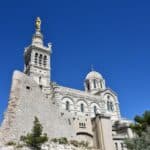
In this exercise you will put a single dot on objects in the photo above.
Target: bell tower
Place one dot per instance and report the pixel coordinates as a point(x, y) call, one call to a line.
point(37, 58)
point(94, 82)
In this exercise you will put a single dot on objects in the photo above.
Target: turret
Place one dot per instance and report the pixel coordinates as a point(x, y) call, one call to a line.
point(37, 58)
point(94, 82)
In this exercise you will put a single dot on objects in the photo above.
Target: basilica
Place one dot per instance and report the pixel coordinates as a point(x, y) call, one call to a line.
point(92, 115)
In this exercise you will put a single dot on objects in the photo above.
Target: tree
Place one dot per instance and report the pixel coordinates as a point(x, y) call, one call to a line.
point(141, 128)
point(141, 123)
point(35, 139)
point(140, 142)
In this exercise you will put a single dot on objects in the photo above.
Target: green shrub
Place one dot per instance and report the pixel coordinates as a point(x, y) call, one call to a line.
point(35, 139)
point(79, 144)
point(19, 146)
point(62, 140)
point(55, 140)
point(83, 144)
point(74, 143)
point(10, 143)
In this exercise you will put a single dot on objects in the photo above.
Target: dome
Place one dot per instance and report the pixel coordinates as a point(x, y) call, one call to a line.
point(93, 75)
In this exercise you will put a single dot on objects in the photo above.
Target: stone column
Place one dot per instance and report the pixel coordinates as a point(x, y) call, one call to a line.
point(130, 133)
point(102, 128)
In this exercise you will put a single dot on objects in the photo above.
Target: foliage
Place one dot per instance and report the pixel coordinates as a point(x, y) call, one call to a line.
point(79, 144)
point(62, 140)
point(19, 146)
point(55, 140)
point(141, 127)
point(141, 123)
point(10, 143)
point(83, 144)
point(74, 143)
point(140, 142)
point(35, 139)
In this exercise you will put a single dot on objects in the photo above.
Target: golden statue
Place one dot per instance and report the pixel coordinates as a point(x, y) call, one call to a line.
point(38, 24)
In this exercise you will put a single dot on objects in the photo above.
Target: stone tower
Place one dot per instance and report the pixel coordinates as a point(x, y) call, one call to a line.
point(37, 58)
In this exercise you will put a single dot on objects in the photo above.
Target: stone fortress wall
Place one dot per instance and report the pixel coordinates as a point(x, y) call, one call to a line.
point(27, 101)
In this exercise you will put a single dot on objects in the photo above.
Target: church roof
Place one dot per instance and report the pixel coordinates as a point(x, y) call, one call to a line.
point(93, 75)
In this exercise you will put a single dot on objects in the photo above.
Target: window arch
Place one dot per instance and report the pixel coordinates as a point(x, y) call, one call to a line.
point(110, 106)
point(35, 58)
point(88, 85)
point(122, 146)
point(67, 105)
point(101, 84)
point(116, 146)
point(95, 109)
point(45, 61)
point(94, 82)
point(40, 59)
point(82, 107)
point(108, 96)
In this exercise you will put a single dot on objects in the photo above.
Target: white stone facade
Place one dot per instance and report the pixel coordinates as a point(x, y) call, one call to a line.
point(63, 112)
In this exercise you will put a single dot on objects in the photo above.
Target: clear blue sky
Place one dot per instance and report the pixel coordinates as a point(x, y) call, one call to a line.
point(114, 36)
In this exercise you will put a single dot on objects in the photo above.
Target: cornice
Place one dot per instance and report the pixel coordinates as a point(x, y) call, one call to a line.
point(75, 93)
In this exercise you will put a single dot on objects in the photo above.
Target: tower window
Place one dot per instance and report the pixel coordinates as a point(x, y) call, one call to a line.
point(45, 61)
point(67, 106)
point(40, 59)
point(94, 82)
point(88, 85)
point(82, 107)
point(35, 58)
point(101, 84)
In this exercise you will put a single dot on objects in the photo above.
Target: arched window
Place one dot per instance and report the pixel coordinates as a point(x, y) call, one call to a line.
point(108, 97)
point(88, 85)
point(67, 105)
point(35, 58)
point(122, 146)
point(94, 82)
point(45, 61)
point(95, 109)
point(110, 106)
point(82, 107)
point(116, 146)
point(40, 59)
point(101, 84)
